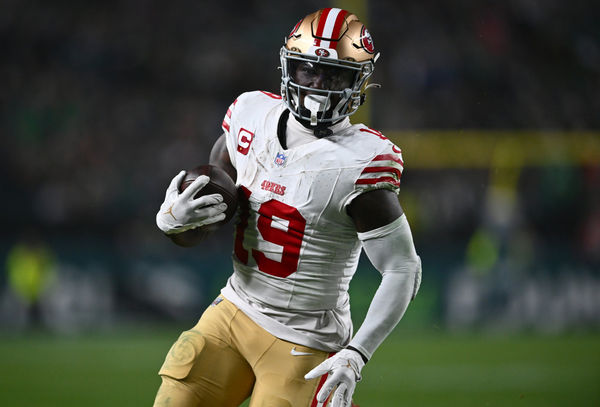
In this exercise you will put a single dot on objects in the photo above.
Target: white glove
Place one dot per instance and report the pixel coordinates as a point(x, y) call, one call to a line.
point(344, 372)
point(180, 211)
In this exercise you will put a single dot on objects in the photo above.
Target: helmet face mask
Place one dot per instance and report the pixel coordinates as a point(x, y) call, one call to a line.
point(336, 78)
point(325, 66)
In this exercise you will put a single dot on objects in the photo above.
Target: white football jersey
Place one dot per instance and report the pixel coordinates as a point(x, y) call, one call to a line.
point(295, 247)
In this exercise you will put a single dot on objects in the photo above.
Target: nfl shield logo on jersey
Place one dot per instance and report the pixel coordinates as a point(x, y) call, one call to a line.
point(280, 159)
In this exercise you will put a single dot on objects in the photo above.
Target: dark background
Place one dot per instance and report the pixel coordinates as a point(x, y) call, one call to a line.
point(103, 102)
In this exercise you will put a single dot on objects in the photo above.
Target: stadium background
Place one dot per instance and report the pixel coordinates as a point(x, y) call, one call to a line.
point(495, 105)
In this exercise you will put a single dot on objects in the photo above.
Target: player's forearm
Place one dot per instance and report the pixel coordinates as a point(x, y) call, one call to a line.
point(387, 308)
point(392, 252)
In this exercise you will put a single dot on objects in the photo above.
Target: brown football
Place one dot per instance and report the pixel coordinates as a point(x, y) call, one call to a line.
point(220, 183)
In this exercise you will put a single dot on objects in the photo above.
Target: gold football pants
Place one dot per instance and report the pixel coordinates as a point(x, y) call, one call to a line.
point(227, 358)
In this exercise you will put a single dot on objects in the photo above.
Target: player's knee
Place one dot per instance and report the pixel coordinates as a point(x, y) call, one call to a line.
point(183, 355)
point(174, 393)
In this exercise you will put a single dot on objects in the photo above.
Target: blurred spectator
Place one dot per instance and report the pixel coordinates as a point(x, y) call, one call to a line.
point(30, 266)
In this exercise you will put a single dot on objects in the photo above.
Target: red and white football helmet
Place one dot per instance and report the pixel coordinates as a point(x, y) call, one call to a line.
point(336, 41)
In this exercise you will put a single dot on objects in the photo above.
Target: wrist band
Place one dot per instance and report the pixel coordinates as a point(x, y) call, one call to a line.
point(363, 357)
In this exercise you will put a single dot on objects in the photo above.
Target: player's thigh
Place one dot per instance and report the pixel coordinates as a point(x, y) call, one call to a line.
point(280, 376)
point(201, 367)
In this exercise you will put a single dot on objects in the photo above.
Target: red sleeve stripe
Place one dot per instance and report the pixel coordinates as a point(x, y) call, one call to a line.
point(225, 125)
point(230, 109)
point(395, 171)
point(390, 157)
point(271, 95)
point(228, 116)
point(373, 181)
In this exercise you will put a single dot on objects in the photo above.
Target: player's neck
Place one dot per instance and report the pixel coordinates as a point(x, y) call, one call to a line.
point(296, 134)
point(292, 133)
point(301, 134)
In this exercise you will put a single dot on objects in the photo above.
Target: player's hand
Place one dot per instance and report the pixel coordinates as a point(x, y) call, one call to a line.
point(344, 372)
point(180, 211)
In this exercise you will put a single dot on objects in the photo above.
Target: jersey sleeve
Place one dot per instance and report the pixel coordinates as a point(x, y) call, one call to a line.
point(229, 132)
point(382, 171)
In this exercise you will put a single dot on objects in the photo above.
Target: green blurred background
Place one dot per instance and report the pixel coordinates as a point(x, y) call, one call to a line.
point(494, 104)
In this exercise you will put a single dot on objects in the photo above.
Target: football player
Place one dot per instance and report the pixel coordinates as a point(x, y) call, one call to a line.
point(315, 190)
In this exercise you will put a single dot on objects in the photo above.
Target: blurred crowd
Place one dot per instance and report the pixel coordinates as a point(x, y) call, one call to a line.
point(509, 64)
point(103, 102)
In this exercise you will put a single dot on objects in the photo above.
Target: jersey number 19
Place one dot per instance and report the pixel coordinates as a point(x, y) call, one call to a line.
point(278, 223)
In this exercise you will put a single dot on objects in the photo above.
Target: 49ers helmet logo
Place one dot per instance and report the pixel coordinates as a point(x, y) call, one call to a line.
point(366, 40)
point(322, 52)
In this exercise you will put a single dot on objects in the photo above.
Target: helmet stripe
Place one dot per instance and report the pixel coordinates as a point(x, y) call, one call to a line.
point(330, 22)
point(321, 25)
point(341, 17)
